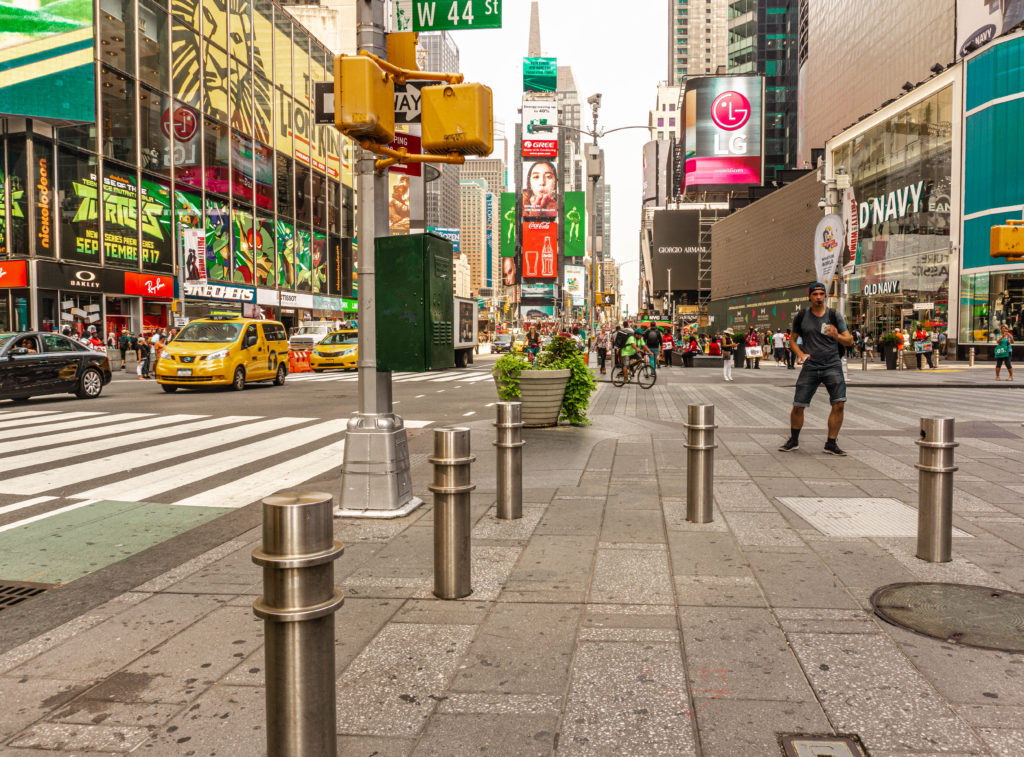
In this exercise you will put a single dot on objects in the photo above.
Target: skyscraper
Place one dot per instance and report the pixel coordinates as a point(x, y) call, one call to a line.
point(763, 40)
point(473, 222)
point(491, 170)
point(442, 194)
point(568, 98)
point(698, 43)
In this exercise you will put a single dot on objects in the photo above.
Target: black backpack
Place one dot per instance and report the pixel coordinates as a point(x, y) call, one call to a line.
point(653, 338)
point(620, 339)
point(832, 318)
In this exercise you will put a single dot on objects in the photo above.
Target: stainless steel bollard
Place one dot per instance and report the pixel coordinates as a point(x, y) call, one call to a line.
point(970, 357)
point(451, 490)
point(700, 463)
point(863, 359)
point(297, 606)
point(509, 445)
point(935, 490)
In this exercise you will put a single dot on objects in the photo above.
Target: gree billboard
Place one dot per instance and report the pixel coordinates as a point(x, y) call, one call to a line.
point(724, 131)
point(46, 59)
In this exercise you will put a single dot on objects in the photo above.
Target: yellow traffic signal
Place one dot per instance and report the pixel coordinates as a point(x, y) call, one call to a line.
point(402, 50)
point(599, 299)
point(457, 118)
point(364, 99)
point(1008, 241)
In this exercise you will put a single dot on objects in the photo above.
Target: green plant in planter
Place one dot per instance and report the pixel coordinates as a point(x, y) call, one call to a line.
point(560, 354)
point(888, 340)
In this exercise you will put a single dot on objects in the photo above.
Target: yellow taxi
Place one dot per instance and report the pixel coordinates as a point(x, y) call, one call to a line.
point(224, 351)
point(519, 345)
point(339, 349)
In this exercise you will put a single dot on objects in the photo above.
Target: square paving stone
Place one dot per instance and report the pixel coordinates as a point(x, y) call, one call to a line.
point(391, 688)
point(627, 698)
point(740, 653)
point(512, 735)
point(735, 727)
point(552, 567)
point(633, 526)
point(706, 554)
point(94, 738)
point(867, 686)
point(631, 576)
point(521, 649)
point(224, 720)
point(26, 700)
point(719, 591)
point(374, 746)
point(798, 579)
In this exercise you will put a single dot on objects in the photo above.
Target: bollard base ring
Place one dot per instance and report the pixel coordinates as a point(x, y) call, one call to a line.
point(696, 426)
point(451, 489)
point(936, 445)
point(935, 468)
point(701, 446)
point(513, 445)
point(452, 461)
point(283, 562)
point(278, 615)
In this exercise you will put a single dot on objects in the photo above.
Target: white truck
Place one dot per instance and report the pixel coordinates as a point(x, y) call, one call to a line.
point(465, 336)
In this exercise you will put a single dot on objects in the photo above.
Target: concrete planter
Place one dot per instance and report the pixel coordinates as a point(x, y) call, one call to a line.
point(542, 395)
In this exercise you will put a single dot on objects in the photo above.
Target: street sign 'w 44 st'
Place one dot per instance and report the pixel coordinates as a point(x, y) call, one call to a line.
point(448, 15)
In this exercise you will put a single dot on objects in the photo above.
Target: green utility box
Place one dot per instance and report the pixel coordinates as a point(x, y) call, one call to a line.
point(415, 303)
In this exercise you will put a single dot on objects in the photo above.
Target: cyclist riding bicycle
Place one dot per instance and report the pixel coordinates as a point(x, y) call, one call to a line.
point(633, 354)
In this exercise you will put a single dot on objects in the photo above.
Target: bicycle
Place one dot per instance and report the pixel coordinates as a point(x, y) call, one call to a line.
point(638, 368)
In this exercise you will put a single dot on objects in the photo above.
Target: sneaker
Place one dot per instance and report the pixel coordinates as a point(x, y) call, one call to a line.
point(789, 445)
point(831, 448)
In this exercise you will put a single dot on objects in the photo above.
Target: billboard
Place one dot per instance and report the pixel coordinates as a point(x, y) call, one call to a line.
point(452, 235)
point(540, 250)
point(540, 195)
point(540, 148)
point(508, 224)
point(540, 74)
point(46, 54)
point(978, 22)
point(575, 222)
point(675, 249)
point(539, 118)
point(575, 283)
point(723, 135)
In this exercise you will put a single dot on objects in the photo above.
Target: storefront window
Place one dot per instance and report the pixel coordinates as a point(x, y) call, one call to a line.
point(302, 193)
point(117, 99)
point(117, 34)
point(45, 207)
point(82, 136)
point(156, 227)
point(185, 67)
point(348, 211)
point(119, 315)
point(120, 218)
point(285, 255)
point(17, 161)
point(82, 313)
point(78, 200)
point(155, 145)
point(265, 251)
point(318, 199)
point(319, 262)
point(188, 142)
point(990, 301)
point(217, 147)
point(154, 45)
point(263, 158)
point(218, 238)
point(303, 260)
point(333, 206)
point(242, 245)
point(285, 169)
point(3, 205)
point(47, 313)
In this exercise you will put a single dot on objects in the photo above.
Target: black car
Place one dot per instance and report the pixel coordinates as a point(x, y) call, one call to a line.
point(502, 343)
point(37, 362)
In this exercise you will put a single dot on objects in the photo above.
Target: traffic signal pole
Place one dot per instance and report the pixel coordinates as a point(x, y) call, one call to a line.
point(376, 480)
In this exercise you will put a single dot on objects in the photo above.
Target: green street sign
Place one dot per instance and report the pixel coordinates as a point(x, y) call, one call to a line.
point(451, 15)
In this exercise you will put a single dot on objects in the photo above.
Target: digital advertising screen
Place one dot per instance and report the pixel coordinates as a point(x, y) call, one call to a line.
point(575, 224)
point(540, 250)
point(540, 195)
point(540, 74)
point(724, 132)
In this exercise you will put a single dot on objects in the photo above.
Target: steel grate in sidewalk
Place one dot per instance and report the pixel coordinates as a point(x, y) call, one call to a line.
point(858, 516)
point(12, 593)
point(805, 745)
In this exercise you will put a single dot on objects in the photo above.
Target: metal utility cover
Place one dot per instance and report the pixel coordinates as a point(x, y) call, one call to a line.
point(822, 746)
point(858, 516)
point(975, 616)
point(12, 593)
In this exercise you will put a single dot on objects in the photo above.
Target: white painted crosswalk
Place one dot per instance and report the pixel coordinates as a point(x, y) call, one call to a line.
point(468, 376)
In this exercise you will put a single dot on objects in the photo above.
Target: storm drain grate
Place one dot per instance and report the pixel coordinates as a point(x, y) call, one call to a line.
point(12, 593)
point(807, 745)
point(975, 616)
point(858, 516)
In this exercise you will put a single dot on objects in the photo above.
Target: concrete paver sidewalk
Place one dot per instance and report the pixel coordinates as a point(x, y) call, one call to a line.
point(602, 623)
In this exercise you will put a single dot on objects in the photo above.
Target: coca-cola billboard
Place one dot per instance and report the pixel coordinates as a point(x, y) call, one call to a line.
point(540, 250)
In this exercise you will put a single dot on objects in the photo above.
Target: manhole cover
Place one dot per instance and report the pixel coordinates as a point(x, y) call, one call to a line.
point(975, 616)
point(12, 593)
point(805, 745)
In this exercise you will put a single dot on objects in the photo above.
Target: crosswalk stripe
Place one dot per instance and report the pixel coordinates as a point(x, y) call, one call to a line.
point(24, 503)
point(41, 418)
point(35, 483)
point(88, 446)
point(278, 477)
point(474, 379)
point(26, 414)
point(146, 485)
point(49, 437)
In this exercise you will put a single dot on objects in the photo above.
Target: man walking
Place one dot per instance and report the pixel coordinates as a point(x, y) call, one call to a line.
point(824, 338)
point(779, 347)
point(653, 339)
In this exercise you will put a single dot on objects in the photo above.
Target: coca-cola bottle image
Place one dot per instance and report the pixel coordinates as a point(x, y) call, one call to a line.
point(547, 259)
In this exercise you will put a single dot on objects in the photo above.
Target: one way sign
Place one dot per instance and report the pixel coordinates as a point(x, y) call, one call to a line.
point(407, 103)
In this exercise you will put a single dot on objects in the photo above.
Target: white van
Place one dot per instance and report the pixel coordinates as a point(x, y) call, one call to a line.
point(309, 333)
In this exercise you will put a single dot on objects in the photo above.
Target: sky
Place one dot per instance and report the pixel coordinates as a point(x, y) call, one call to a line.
point(619, 49)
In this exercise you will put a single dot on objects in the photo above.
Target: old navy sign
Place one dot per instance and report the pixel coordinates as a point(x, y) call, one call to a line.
point(897, 204)
point(221, 292)
point(882, 287)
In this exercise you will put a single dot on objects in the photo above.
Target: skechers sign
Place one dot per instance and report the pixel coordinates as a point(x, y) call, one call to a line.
point(723, 131)
point(221, 292)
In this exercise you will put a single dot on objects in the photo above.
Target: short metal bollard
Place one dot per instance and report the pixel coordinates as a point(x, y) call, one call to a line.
point(970, 357)
point(935, 490)
point(863, 359)
point(297, 606)
point(509, 445)
point(700, 463)
point(451, 488)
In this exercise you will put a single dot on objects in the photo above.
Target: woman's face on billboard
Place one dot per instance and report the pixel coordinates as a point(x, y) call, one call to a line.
point(542, 179)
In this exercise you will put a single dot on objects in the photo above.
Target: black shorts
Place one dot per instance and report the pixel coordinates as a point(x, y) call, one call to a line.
point(1001, 361)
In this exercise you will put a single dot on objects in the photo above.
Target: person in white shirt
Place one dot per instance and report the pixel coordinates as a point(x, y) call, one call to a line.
point(779, 346)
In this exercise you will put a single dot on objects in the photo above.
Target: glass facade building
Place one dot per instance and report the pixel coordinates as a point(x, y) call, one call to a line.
point(204, 120)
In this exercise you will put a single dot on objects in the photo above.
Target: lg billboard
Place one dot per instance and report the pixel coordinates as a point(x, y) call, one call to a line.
point(724, 132)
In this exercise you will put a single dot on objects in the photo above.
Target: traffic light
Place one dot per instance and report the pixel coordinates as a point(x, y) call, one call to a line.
point(364, 99)
point(1008, 241)
point(457, 118)
point(402, 50)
